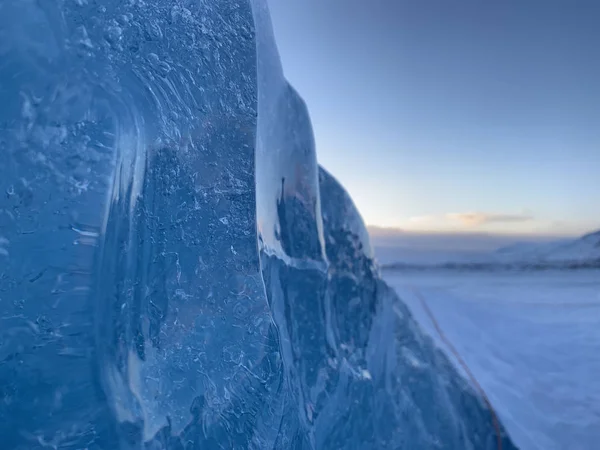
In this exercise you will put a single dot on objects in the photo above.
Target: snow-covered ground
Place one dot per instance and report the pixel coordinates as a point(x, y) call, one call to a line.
point(532, 340)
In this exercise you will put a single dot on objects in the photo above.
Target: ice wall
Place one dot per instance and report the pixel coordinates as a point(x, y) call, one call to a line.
point(176, 271)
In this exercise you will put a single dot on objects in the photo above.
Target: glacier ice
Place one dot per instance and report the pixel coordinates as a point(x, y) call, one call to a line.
point(176, 271)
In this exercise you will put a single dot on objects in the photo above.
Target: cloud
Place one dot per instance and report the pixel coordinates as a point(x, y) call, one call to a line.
point(424, 219)
point(375, 230)
point(467, 222)
point(475, 219)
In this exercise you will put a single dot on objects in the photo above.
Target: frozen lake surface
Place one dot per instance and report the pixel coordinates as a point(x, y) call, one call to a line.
point(531, 340)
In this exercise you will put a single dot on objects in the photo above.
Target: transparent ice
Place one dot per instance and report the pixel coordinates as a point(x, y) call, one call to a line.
point(176, 271)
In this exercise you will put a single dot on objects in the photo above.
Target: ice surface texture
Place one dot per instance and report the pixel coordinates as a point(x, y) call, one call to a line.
point(176, 271)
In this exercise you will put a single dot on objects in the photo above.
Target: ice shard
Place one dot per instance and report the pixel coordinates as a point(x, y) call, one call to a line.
point(176, 270)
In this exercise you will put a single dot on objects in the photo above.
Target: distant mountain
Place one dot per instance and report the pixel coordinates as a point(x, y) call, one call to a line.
point(585, 248)
point(583, 252)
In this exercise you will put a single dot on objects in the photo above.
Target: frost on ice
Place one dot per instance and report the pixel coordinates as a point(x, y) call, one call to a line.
point(176, 271)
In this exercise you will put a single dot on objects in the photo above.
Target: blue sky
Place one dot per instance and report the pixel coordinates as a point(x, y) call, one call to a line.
point(463, 116)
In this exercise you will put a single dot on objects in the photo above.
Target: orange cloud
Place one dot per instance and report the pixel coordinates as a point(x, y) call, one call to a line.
point(475, 219)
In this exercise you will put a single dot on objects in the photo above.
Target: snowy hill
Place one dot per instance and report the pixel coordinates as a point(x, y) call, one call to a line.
point(585, 248)
point(583, 252)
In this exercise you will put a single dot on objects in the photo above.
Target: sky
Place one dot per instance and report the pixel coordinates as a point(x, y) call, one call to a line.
point(454, 116)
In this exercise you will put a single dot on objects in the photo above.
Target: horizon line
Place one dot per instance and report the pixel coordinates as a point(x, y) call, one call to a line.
point(392, 230)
